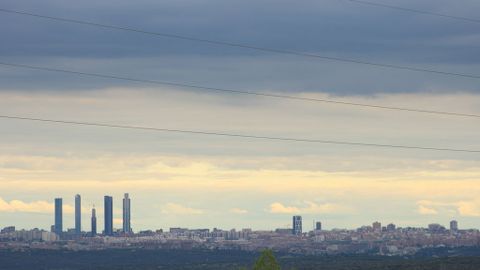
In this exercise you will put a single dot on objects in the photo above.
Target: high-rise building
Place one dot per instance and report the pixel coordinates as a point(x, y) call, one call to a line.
point(377, 226)
point(78, 214)
point(297, 225)
point(126, 214)
point(94, 222)
point(318, 226)
point(453, 226)
point(108, 214)
point(58, 216)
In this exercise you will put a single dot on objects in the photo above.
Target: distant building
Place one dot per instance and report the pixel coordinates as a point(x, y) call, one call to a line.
point(108, 215)
point(9, 229)
point(126, 214)
point(178, 230)
point(297, 225)
point(35, 235)
point(318, 226)
point(436, 228)
point(453, 226)
point(70, 234)
point(391, 227)
point(78, 214)
point(94, 222)
point(49, 237)
point(58, 216)
point(283, 231)
point(377, 226)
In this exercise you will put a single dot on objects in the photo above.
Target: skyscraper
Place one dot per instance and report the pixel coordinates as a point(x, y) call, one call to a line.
point(108, 211)
point(58, 216)
point(126, 214)
point(453, 226)
point(318, 226)
point(78, 214)
point(94, 221)
point(297, 225)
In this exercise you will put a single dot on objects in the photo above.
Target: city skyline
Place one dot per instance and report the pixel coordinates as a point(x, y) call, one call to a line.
point(373, 239)
point(296, 227)
point(119, 218)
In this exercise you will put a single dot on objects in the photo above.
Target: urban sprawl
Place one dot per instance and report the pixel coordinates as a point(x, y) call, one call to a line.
point(374, 239)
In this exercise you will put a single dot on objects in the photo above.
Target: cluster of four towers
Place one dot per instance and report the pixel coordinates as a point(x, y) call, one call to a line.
point(108, 216)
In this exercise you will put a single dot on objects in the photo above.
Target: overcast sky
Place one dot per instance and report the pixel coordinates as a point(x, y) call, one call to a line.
point(201, 181)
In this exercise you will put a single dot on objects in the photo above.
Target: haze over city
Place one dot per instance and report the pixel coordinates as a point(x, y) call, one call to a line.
point(240, 114)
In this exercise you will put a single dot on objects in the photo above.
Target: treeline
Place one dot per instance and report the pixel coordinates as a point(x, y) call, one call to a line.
point(136, 259)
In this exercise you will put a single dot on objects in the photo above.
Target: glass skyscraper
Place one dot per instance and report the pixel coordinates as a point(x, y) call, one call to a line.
point(58, 216)
point(108, 211)
point(78, 214)
point(126, 214)
point(94, 221)
point(297, 225)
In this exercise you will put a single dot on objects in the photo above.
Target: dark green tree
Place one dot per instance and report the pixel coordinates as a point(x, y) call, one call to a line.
point(266, 261)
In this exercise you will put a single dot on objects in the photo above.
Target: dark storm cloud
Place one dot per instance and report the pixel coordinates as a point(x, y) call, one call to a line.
point(327, 27)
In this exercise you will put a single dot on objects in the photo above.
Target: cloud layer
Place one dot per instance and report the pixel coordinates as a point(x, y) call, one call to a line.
point(331, 28)
point(309, 208)
point(201, 181)
point(31, 207)
point(469, 208)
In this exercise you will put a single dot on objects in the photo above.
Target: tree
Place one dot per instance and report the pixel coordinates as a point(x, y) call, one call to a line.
point(266, 261)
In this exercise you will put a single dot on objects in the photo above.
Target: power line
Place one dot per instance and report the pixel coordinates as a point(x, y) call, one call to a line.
point(245, 46)
point(235, 135)
point(376, 4)
point(233, 91)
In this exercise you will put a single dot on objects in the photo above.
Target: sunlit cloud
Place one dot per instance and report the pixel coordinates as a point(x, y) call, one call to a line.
point(31, 207)
point(307, 208)
point(468, 208)
point(424, 210)
point(117, 221)
point(276, 177)
point(464, 208)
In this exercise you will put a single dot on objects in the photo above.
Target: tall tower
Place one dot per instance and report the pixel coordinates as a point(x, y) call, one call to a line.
point(318, 226)
point(108, 211)
point(58, 216)
point(78, 214)
point(297, 225)
point(126, 214)
point(94, 221)
point(453, 226)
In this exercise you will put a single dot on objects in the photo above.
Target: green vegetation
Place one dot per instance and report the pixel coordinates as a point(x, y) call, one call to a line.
point(149, 259)
point(266, 261)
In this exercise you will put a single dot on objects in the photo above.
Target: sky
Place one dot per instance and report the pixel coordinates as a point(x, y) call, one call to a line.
point(200, 181)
